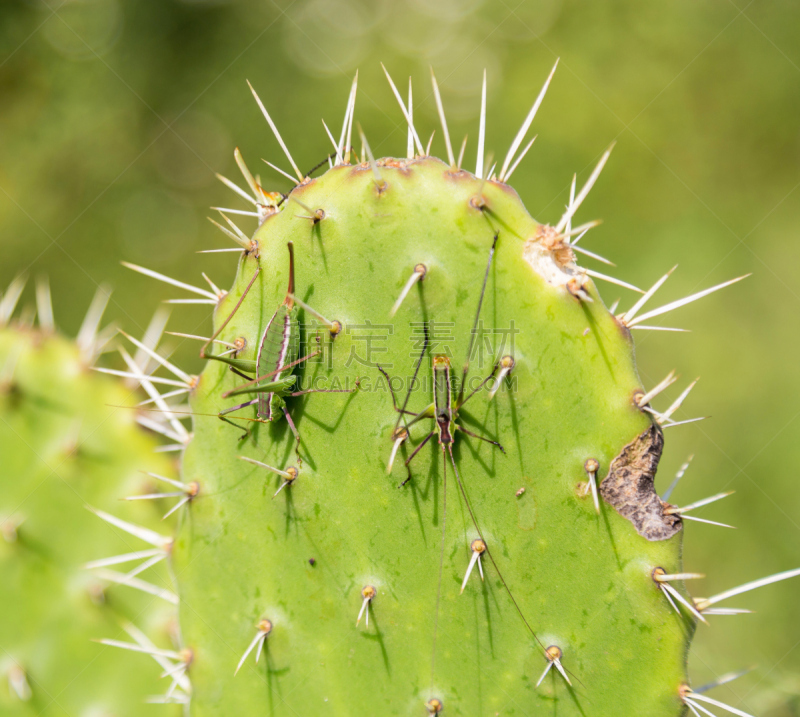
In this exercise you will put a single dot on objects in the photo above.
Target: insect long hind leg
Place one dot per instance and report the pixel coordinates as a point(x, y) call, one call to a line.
point(323, 390)
point(488, 551)
point(413, 454)
point(460, 400)
point(226, 411)
point(389, 384)
point(294, 431)
point(479, 387)
point(414, 378)
point(481, 438)
point(258, 379)
point(208, 343)
point(222, 417)
point(245, 431)
point(291, 425)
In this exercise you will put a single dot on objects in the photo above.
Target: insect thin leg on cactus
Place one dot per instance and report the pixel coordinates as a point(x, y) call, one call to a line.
point(474, 520)
point(465, 371)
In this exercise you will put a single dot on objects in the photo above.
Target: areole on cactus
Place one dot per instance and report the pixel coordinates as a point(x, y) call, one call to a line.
point(516, 559)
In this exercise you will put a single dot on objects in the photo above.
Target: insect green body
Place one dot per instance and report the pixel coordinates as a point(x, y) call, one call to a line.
point(442, 400)
point(278, 353)
point(442, 410)
point(279, 348)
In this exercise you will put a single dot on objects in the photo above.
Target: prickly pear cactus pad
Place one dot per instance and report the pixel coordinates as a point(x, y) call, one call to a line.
point(64, 446)
point(431, 489)
point(559, 573)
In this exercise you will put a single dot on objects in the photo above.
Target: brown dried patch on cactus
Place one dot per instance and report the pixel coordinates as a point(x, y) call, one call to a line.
point(629, 488)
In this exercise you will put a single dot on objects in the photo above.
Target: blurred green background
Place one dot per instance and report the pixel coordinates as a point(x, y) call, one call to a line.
point(115, 114)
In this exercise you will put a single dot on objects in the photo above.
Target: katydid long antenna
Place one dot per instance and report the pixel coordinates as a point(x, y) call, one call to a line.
point(465, 371)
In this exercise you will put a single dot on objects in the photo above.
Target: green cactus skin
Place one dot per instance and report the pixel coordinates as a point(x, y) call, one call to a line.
point(583, 582)
point(65, 445)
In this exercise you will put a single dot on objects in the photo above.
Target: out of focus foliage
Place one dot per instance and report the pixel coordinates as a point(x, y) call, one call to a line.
point(115, 114)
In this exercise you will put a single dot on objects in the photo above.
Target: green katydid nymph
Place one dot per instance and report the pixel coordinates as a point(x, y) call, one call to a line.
point(444, 409)
point(277, 356)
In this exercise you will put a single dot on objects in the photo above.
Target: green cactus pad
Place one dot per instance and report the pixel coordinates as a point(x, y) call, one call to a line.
point(66, 442)
point(557, 574)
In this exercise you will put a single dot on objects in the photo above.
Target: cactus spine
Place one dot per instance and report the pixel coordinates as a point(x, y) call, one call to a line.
point(533, 570)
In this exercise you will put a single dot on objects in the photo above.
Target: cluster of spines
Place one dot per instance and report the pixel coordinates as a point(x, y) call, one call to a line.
point(92, 342)
point(559, 240)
